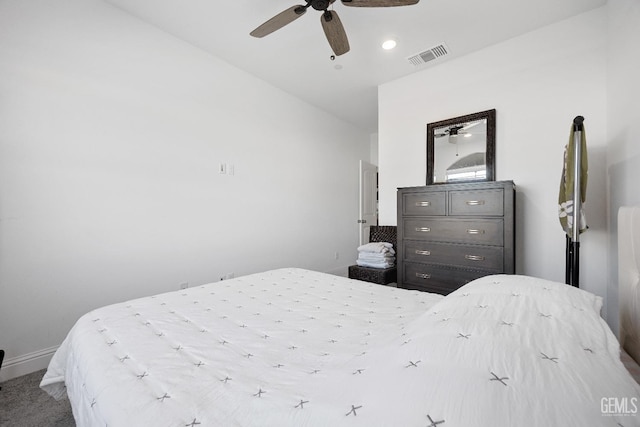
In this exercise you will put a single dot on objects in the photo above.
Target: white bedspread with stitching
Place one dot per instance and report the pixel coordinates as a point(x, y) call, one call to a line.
point(293, 347)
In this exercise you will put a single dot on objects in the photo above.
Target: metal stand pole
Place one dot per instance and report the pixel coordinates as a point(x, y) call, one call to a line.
point(568, 260)
point(1, 359)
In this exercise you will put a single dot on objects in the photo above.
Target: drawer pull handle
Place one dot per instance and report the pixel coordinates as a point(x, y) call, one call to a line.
point(419, 252)
point(474, 231)
point(423, 276)
point(423, 229)
point(474, 257)
point(475, 202)
point(423, 204)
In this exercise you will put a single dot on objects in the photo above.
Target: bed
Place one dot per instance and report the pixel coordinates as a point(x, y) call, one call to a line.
point(293, 347)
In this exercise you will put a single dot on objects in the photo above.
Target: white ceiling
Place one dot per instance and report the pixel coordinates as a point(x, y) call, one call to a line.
point(296, 58)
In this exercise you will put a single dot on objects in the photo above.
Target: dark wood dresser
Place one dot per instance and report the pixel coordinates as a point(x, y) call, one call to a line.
point(450, 234)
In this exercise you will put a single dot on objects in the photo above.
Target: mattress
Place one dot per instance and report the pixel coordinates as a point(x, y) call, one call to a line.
point(293, 347)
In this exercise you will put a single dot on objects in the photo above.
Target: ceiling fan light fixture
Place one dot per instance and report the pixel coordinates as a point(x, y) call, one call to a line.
point(389, 44)
point(453, 135)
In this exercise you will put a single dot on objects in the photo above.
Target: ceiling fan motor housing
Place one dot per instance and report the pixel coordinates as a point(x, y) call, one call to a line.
point(320, 4)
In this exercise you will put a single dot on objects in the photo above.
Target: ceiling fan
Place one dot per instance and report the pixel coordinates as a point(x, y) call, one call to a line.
point(458, 130)
point(331, 24)
point(452, 131)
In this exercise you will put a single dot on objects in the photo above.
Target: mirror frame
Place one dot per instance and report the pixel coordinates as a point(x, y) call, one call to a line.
point(490, 115)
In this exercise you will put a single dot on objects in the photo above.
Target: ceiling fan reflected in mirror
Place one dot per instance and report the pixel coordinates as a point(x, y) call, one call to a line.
point(331, 24)
point(465, 129)
point(451, 131)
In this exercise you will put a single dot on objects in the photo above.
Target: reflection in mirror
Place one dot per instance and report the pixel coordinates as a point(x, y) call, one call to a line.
point(471, 167)
point(461, 152)
point(461, 149)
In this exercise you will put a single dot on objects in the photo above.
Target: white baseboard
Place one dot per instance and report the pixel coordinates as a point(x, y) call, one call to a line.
point(26, 364)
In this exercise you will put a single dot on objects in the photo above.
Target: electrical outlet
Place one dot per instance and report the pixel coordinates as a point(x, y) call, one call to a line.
point(336, 255)
point(222, 168)
point(184, 285)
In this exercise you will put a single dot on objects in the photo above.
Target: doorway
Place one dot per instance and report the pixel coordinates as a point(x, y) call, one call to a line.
point(368, 199)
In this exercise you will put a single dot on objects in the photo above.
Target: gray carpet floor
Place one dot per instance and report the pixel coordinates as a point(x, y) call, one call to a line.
point(24, 404)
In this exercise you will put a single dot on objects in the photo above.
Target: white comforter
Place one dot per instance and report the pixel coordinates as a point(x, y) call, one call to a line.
point(293, 347)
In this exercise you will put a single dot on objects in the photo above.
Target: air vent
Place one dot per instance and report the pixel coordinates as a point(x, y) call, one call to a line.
point(429, 55)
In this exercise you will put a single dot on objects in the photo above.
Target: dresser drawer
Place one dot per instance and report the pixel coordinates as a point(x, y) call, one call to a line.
point(431, 203)
point(455, 230)
point(467, 256)
point(429, 278)
point(477, 202)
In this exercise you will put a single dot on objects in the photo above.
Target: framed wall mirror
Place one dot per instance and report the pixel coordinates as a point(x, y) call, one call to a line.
point(462, 149)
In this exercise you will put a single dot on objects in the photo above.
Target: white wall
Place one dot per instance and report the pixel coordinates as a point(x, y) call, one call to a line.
point(373, 159)
point(538, 83)
point(111, 133)
point(623, 117)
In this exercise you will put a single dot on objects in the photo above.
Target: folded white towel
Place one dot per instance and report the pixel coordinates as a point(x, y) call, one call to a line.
point(362, 263)
point(376, 257)
point(380, 247)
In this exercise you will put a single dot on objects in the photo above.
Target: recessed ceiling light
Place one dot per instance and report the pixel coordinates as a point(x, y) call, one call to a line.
point(389, 44)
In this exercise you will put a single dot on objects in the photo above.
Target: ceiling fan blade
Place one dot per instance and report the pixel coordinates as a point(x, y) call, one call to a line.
point(378, 3)
point(471, 124)
point(279, 21)
point(333, 29)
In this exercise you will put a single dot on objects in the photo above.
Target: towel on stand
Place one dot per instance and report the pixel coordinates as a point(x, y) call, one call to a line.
point(376, 255)
point(377, 247)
